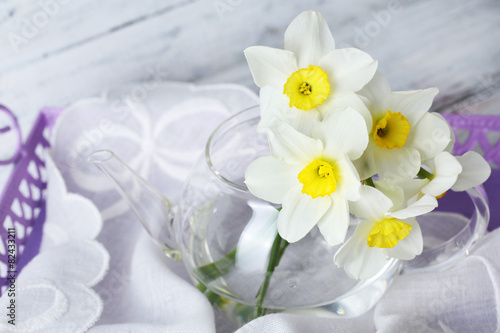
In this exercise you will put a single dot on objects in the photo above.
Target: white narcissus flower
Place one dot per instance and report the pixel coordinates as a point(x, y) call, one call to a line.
point(313, 178)
point(445, 172)
point(309, 72)
point(475, 171)
point(403, 134)
point(383, 232)
point(458, 173)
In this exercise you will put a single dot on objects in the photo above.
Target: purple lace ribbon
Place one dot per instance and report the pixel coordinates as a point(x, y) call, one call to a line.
point(22, 203)
point(478, 128)
point(482, 132)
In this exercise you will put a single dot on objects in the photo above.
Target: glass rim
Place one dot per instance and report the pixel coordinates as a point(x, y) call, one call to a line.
point(480, 218)
point(210, 140)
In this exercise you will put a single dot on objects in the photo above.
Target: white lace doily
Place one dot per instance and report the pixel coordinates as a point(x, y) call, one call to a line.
point(54, 291)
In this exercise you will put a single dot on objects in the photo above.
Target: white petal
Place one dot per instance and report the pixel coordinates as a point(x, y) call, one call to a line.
point(291, 146)
point(446, 172)
point(353, 246)
point(309, 37)
point(274, 104)
point(412, 188)
point(373, 204)
point(392, 191)
point(344, 101)
point(475, 171)
point(270, 98)
point(348, 69)
point(333, 225)
point(366, 165)
point(358, 259)
point(375, 91)
point(369, 263)
point(451, 144)
point(270, 179)
point(303, 121)
point(422, 206)
point(397, 163)
point(349, 183)
point(300, 213)
point(270, 66)
point(409, 247)
point(343, 131)
point(431, 135)
point(271, 106)
point(412, 104)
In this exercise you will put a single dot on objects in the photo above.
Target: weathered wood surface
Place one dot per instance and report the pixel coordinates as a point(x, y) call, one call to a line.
point(76, 49)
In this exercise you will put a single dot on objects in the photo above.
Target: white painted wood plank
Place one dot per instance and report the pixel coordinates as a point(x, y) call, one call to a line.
point(447, 44)
point(33, 29)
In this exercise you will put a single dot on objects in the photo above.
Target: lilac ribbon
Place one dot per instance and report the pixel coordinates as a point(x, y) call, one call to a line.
point(477, 128)
point(22, 203)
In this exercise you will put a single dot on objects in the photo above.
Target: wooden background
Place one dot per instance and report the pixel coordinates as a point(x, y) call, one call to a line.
point(54, 52)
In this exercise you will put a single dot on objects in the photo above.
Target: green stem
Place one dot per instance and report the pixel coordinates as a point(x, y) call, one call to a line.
point(214, 270)
point(369, 182)
point(277, 250)
point(284, 244)
point(201, 287)
point(422, 174)
point(222, 266)
point(212, 297)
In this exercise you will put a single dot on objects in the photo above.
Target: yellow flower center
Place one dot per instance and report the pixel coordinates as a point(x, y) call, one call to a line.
point(307, 88)
point(391, 131)
point(319, 178)
point(387, 233)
